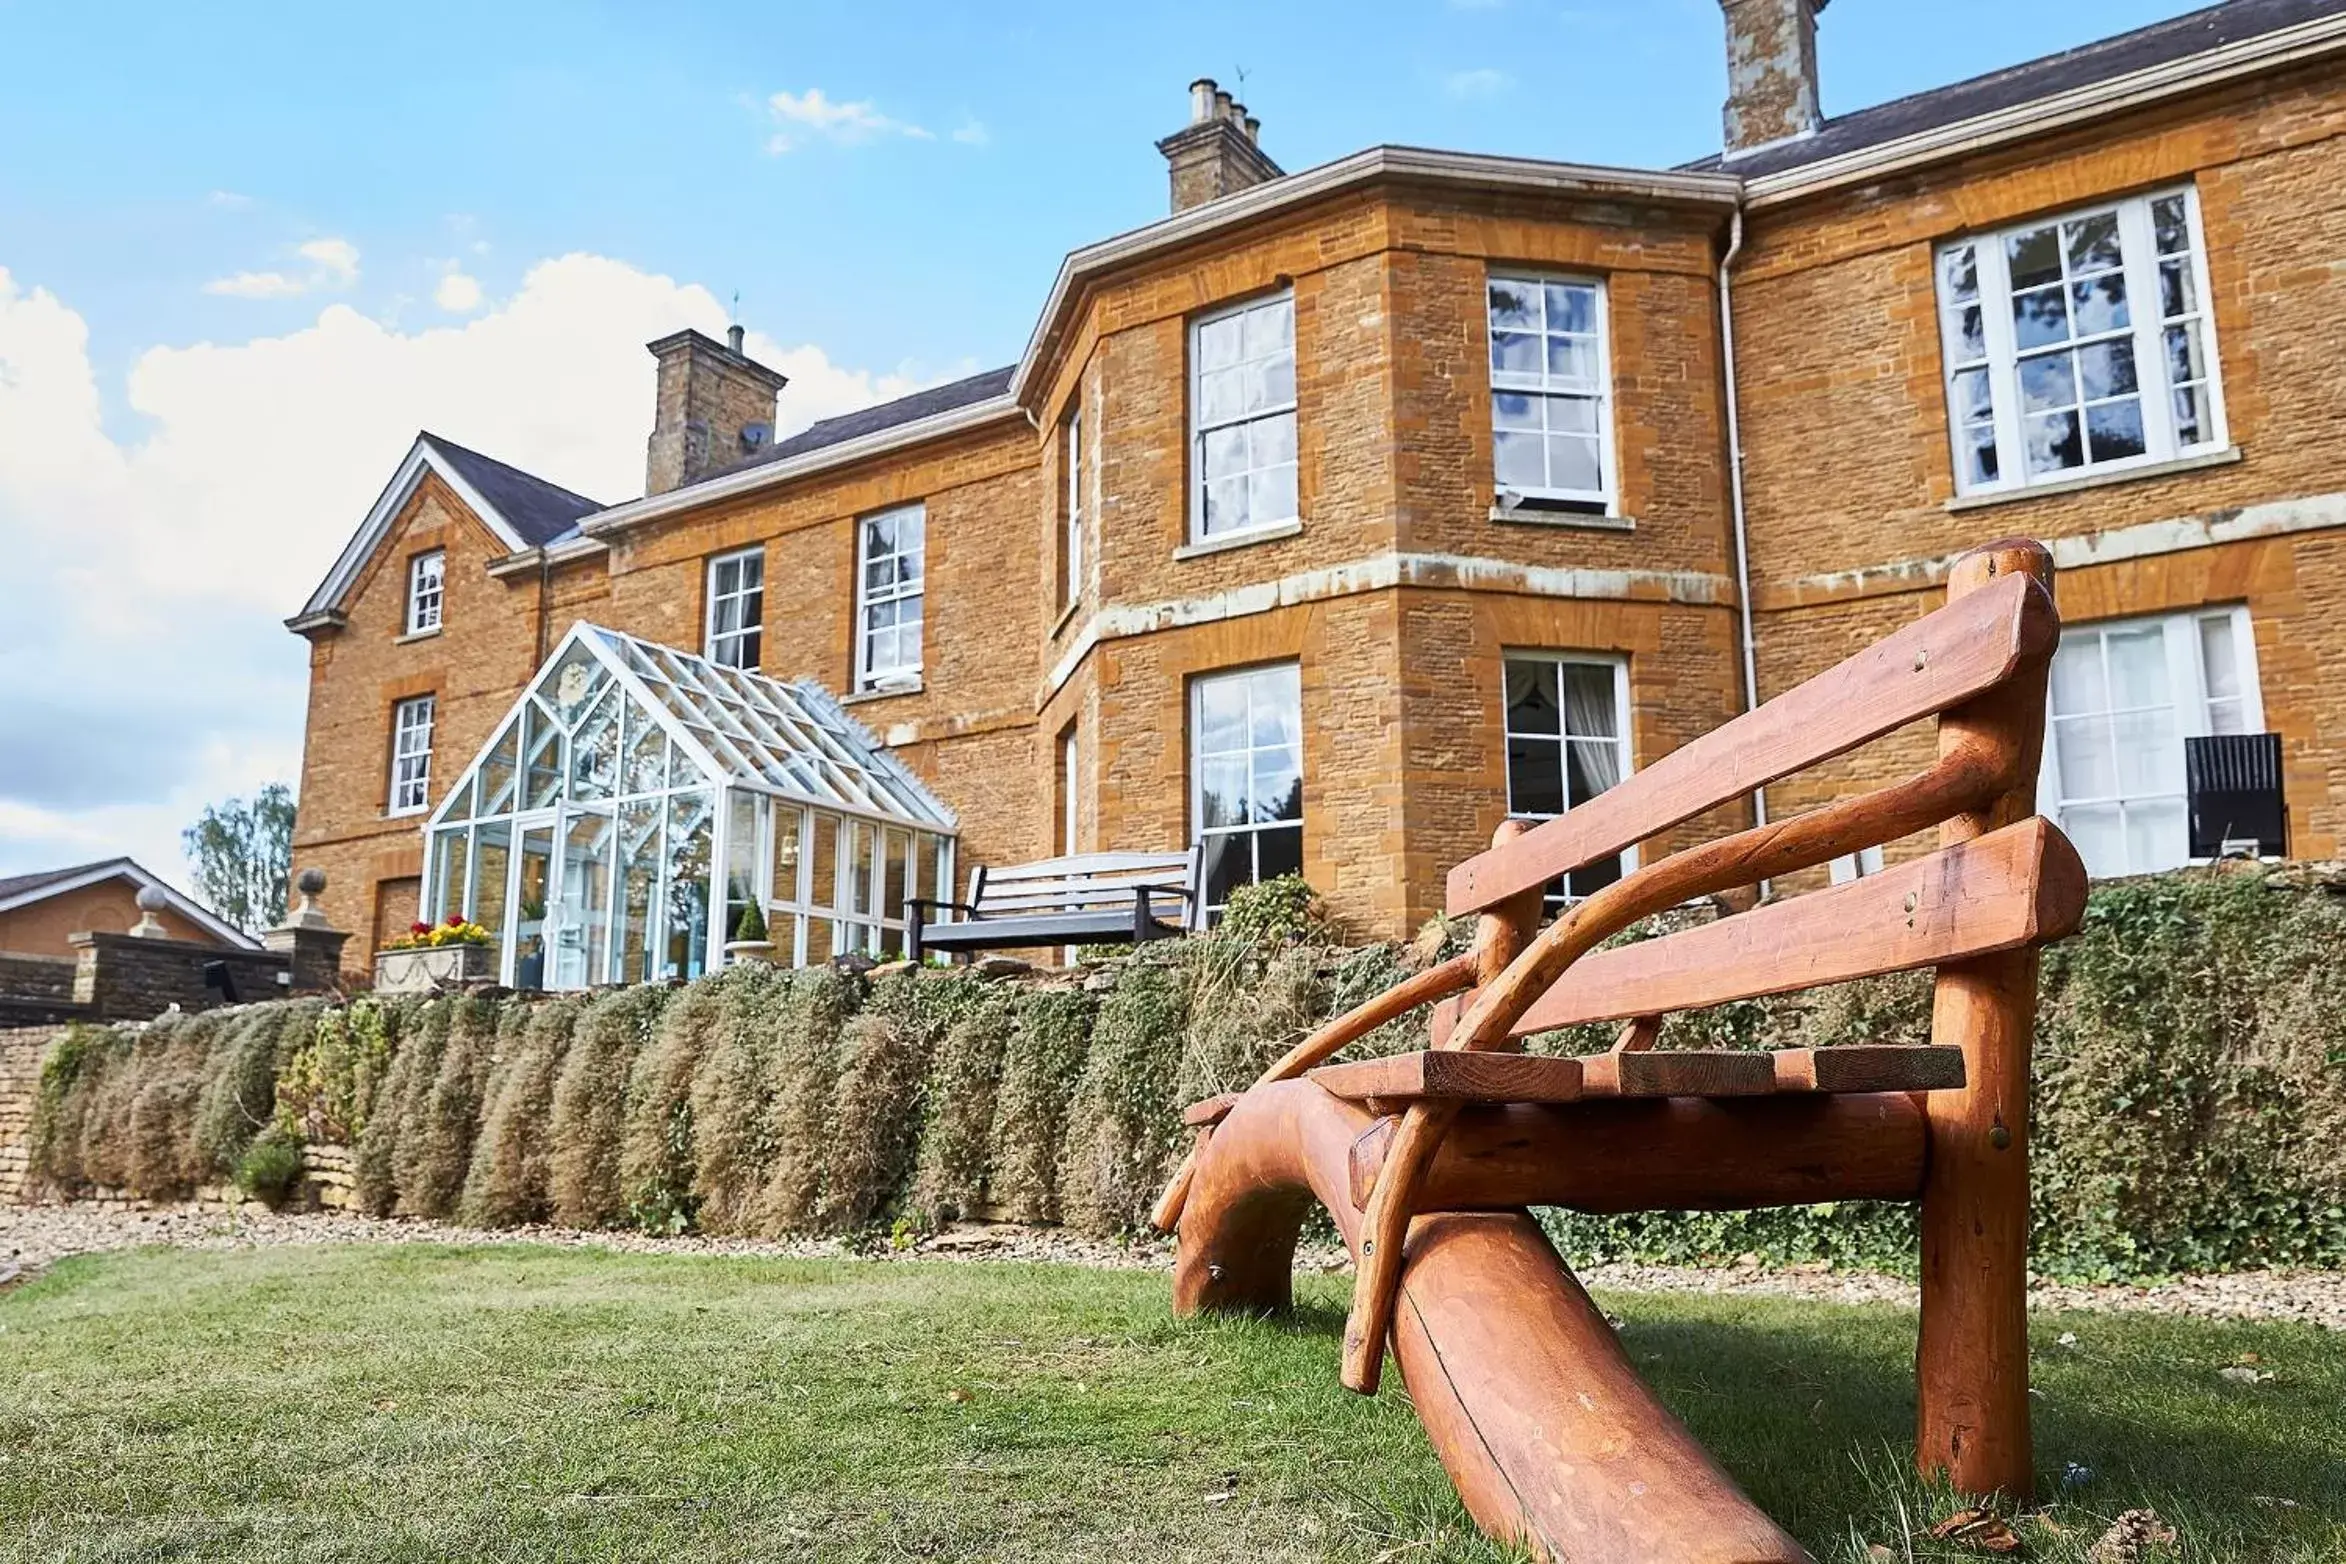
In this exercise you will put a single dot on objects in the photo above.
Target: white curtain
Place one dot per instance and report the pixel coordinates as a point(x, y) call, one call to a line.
point(1589, 713)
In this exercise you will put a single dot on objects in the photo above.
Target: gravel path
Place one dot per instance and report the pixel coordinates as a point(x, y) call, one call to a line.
point(33, 1236)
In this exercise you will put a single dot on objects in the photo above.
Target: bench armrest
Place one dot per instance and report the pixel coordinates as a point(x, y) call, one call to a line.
point(929, 901)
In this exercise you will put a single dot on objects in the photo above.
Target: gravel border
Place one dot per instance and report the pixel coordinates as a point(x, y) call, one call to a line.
point(32, 1237)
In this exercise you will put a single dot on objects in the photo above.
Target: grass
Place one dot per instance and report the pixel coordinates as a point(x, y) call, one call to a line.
point(420, 1402)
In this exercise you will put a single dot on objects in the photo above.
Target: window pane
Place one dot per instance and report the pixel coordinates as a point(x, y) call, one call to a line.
point(2222, 669)
point(1271, 441)
point(1971, 334)
point(1218, 343)
point(2114, 430)
point(2078, 685)
point(1271, 495)
point(1973, 399)
point(2093, 242)
point(1521, 462)
point(1588, 701)
point(1222, 713)
point(2047, 381)
point(1222, 798)
point(1512, 411)
point(1514, 353)
point(1535, 777)
point(2155, 836)
point(1225, 505)
point(2138, 668)
point(2040, 318)
point(2052, 442)
point(1531, 696)
point(2189, 429)
point(1589, 880)
point(2099, 835)
point(2170, 225)
point(1229, 862)
point(1225, 451)
point(2107, 368)
point(789, 842)
point(2178, 291)
point(2099, 305)
point(1980, 452)
point(1278, 785)
point(2089, 768)
point(1221, 395)
point(2183, 356)
point(1959, 273)
point(1572, 360)
point(2150, 753)
point(823, 888)
point(1575, 463)
point(691, 817)
point(1278, 851)
point(1514, 304)
point(2033, 256)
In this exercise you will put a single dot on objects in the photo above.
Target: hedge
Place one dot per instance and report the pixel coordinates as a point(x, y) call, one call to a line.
point(2190, 1096)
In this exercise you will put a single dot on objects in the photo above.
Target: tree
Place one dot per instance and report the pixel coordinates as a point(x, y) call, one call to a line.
point(242, 853)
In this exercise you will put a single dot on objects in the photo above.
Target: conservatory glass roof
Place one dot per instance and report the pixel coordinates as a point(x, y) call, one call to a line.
point(722, 725)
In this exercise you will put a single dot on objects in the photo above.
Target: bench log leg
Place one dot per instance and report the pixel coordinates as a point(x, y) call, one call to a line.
point(1542, 1422)
point(1971, 1358)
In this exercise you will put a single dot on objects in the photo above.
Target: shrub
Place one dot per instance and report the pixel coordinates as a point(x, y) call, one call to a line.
point(875, 1116)
point(965, 1074)
point(1283, 910)
point(390, 1161)
point(436, 1143)
point(270, 1166)
point(1248, 1005)
point(240, 1062)
point(732, 1097)
point(69, 1073)
point(1124, 1127)
point(656, 1144)
point(751, 925)
point(805, 1070)
point(505, 1184)
point(590, 1105)
point(1042, 1065)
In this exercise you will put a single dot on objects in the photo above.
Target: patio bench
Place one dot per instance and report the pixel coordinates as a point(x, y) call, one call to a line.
point(1083, 899)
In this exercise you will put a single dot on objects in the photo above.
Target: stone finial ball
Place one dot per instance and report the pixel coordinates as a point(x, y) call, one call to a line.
point(312, 881)
point(153, 898)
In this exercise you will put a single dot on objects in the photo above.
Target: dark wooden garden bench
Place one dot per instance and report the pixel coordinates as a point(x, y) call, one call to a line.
point(1086, 899)
point(1429, 1161)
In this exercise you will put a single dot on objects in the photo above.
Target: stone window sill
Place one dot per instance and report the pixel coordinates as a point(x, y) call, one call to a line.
point(1066, 617)
point(1585, 521)
point(1231, 540)
point(2094, 480)
point(413, 636)
point(883, 692)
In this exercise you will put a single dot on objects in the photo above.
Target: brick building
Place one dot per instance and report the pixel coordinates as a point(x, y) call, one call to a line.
point(1341, 513)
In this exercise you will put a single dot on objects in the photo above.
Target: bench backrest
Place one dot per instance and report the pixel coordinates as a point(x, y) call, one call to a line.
point(2001, 881)
point(1092, 882)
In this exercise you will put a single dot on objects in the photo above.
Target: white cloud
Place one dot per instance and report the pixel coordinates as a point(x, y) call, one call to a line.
point(458, 294)
point(810, 113)
point(143, 668)
point(1483, 83)
point(333, 264)
point(229, 200)
point(973, 133)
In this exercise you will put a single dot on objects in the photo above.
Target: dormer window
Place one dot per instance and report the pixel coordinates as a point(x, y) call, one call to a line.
point(737, 606)
point(426, 580)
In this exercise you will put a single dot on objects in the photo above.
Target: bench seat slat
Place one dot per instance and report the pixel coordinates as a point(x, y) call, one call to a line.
point(1453, 1077)
point(1075, 928)
point(1869, 1067)
point(1086, 865)
point(2022, 885)
point(1447, 1075)
point(1940, 661)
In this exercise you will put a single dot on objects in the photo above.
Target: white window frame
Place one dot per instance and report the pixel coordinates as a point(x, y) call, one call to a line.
point(1070, 778)
point(1619, 665)
point(1545, 390)
point(2187, 684)
point(1071, 456)
point(1198, 755)
point(1199, 429)
point(870, 674)
point(2000, 357)
point(427, 591)
point(411, 754)
point(726, 646)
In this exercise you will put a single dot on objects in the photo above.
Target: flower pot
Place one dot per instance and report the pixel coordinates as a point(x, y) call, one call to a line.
point(433, 969)
point(749, 952)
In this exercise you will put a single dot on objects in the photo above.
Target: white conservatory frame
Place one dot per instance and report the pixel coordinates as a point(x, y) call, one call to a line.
point(631, 779)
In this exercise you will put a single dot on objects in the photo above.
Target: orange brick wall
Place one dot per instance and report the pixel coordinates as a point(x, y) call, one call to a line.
point(109, 907)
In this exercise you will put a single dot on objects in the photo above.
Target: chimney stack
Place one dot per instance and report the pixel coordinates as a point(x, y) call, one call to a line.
point(1217, 153)
point(714, 406)
point(1771, 71)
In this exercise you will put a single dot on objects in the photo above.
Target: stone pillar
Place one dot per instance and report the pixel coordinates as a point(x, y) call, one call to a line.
point(311, 947)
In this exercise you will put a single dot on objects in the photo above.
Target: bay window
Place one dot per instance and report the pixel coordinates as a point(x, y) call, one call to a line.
point(2079, 344)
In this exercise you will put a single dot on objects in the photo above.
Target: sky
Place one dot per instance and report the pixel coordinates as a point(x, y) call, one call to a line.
point(247, 251)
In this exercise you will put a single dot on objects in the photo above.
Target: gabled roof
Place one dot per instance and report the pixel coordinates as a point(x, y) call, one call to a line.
point(23, 890)
point(2018, 86)
point(539, 511)
point(524, 512)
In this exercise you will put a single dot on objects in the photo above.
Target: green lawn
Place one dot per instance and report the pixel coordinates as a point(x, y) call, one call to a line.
point(422, 1402)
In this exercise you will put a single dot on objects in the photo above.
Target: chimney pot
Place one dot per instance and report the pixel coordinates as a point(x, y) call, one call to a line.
point(1221, 104)
point(1218, 152)
point(734, 336)
point(1254, 129)
point(1201, 100)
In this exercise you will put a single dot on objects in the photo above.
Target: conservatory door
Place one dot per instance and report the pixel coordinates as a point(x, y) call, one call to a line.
point(533, 873)
point(581, 914)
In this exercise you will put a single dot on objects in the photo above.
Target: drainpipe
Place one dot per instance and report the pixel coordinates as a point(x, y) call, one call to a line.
point(1751, 699)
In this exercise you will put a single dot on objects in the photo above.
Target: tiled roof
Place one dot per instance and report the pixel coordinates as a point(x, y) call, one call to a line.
point(2159, 44)
point(18, 885)
point(540, 511)
point(885, 415)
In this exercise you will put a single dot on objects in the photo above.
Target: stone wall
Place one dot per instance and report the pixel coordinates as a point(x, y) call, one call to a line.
point(123, 977)
point(21, 1052)
point(32, 977)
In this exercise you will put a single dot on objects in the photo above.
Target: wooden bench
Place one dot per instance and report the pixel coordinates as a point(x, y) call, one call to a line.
point(1087, 899)
point(1427, 1161)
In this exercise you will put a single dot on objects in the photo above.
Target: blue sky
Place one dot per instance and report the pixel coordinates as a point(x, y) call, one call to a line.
point(245, 250)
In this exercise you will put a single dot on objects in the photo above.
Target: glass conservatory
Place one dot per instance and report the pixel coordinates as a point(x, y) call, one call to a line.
point(632, 782)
